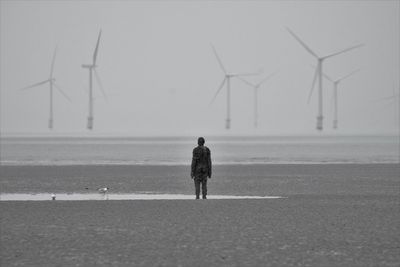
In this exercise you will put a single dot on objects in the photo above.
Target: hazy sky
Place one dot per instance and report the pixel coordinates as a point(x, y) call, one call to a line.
point(160, 74)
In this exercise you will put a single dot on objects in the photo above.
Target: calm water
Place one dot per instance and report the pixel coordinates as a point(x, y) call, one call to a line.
point(136, 196)
point(177, 150)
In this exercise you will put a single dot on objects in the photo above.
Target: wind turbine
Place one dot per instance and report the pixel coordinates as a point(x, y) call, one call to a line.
point(335, 95)
point(92, 68)
point(51, 81)
point(318, 73)
point(227, 79)
point(255, 88)
point(393, 99)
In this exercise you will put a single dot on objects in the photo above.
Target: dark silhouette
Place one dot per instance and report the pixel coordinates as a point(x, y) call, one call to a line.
point(201, 167)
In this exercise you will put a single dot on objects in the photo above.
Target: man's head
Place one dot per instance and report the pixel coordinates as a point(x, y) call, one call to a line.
point(200, 141)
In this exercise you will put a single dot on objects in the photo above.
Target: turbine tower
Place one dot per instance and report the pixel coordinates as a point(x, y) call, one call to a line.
point(335, 95)
point(92, 69)
point(255, 88)
point(227, 79)
point(51, 81)
point(318, 73)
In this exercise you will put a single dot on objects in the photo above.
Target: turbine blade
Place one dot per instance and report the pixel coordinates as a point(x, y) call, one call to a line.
point(343, 51)
point(302, 43)
point(62, 92)
point(35, 84)
point(219, 89)
point(219, 60)
point(387, 98)
point(267, 78)
point(52, 63)
point(246, 82)
point(348, 75)
point(313, 85)
point(245, 74)
point(100, 84)
point(96, 49)
point(327, 77)
point(324, 74)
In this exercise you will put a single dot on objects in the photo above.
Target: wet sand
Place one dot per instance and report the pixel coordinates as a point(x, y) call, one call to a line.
point(355, 179)
point(334, 215)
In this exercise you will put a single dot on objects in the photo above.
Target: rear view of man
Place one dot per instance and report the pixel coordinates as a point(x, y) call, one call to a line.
point(201, 167)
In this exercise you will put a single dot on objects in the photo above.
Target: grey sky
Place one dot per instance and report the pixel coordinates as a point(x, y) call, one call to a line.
point(158, 69)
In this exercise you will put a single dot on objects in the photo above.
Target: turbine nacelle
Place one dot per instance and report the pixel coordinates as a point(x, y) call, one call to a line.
point(87, 66)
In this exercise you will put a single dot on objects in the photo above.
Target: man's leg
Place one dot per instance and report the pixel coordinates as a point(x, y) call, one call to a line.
point(204, 188)
point(197, 188)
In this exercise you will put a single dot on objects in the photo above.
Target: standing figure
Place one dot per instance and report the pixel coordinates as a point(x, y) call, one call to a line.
point(201, 167)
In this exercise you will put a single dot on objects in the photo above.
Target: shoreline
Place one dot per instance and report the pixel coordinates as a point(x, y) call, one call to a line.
point(267, 179)
point(61, 164)
point(217, 164)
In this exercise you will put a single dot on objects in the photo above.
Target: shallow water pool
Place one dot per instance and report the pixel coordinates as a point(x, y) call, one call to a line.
point(133, 196)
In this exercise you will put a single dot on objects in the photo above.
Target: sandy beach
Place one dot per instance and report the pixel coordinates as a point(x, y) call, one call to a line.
point(334, 215)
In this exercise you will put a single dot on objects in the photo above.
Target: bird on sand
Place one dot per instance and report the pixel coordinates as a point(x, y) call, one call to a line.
point(103, 190)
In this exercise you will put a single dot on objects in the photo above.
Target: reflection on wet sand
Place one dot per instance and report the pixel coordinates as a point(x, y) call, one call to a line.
point(133, 196)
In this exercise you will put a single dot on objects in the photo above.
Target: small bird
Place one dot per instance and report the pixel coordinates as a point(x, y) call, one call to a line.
point(103, 190)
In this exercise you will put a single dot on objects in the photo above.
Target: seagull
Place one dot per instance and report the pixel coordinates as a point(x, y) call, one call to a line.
point(103, 190)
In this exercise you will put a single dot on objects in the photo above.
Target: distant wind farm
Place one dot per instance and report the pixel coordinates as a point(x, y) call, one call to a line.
point(222, 72)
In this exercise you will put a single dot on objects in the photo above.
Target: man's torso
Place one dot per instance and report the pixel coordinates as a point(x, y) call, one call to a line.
point(201, 155)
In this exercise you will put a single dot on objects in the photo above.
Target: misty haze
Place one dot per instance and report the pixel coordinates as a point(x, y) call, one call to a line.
point(199, 133)
point(156, 71)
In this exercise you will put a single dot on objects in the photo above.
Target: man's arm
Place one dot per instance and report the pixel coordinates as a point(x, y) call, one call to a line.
point(194, 162)
point(209, 163)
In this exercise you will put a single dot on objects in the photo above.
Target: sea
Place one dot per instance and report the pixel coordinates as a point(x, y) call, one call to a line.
point(225, 150)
